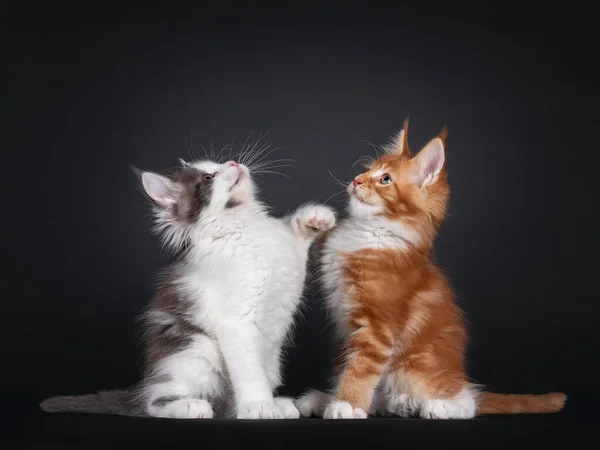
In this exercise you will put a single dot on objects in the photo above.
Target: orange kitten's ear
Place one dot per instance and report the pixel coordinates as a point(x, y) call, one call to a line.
point(399, 145)
point(443, 134)
point(429, 162)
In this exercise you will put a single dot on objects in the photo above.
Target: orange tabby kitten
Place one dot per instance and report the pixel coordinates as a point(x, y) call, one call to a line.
point(403, 335)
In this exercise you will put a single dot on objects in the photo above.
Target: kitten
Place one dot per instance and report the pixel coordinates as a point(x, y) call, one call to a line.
point(402, 334)
point(215, 329)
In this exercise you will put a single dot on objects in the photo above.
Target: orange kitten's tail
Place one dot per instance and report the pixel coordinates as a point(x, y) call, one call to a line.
point(491, 403)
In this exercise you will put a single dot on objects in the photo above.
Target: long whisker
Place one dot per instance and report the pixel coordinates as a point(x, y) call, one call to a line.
point(375, 148)
point(231, 146)
point(273, 166)
point(243, 151)
point(344, 185)
point(331, 196)
point(256, 155)
point(259, 154)
point(203, 149)
point(366, 159)
point(273, 172)
point(264, 164)
point(252, 150)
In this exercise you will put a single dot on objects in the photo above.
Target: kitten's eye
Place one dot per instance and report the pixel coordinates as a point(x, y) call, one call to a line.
point(386, 179)
point(207, 176)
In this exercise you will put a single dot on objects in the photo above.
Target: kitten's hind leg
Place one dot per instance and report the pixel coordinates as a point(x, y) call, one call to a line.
point(185, 383)
point(413, 394)
point(181, 408)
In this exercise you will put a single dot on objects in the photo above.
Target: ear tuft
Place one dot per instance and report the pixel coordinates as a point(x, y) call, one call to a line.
point(399, 144)
point(138, 172)
point(429, 162)
point(183, 162)
point(443, 134)
point(160, 189)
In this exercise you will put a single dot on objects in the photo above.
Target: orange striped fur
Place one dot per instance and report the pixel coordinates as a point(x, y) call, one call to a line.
point(401, 330)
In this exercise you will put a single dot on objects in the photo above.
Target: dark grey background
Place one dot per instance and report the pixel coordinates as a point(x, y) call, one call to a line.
point(93, 87)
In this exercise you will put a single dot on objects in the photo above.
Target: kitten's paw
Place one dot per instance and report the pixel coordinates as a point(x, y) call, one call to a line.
point(451, 408)
point(189, 408)
point(403, 405)
point(287, 408)
point(313, 403)
point(311, 219)
point(343, 410)
point(260, 410)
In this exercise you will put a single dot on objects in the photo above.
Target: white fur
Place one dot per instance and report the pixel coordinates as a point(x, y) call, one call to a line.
point(192, 408)
point(461, 407)
point(343, 410)
point(244, 274)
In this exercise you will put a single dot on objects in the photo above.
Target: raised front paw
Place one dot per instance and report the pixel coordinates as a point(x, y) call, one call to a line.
point(279, 408)
point(343, 410)
point(313, 218)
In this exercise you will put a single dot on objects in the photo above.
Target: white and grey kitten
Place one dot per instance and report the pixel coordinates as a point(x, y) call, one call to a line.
point(222, 312)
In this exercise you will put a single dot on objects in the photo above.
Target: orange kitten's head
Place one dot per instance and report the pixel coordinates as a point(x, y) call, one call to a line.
point(401, 186)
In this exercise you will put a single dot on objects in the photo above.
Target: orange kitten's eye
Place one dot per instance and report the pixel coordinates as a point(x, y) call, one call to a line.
point(386, 179)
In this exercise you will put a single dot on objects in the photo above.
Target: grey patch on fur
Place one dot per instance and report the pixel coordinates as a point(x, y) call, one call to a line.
point(161, 402)
point(118, 402)
point(164, 339)
point(196, 194)
point(231, 203)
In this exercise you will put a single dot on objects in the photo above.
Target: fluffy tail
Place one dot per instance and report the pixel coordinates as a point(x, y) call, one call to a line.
point(119, 402)
point(491, 403)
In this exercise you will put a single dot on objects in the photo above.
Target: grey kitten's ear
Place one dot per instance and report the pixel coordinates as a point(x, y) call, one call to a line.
point(163, 191)
point(183, 162)
point(138, 172)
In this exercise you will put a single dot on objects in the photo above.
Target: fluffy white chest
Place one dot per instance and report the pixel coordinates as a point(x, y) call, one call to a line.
point(246, 268)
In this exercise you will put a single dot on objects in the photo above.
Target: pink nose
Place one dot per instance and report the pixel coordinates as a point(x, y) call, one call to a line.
point(356, 182)
point(233, 163)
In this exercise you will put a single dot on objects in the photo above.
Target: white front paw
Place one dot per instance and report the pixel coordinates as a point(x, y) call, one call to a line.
point(287, 408)
point(343, 410)
point(314, 218)
point(279, 408)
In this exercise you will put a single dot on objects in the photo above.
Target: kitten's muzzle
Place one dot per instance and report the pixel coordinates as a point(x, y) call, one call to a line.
point(233, 172)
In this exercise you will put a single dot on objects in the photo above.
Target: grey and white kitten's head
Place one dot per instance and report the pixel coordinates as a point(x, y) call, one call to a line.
point(196, 191)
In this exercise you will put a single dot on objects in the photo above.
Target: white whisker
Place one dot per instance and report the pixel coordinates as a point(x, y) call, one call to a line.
point(331, 196)
point(273, 172)
point(260, 152)
point(366, 159)
point(344, 185)
point(252, 150)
